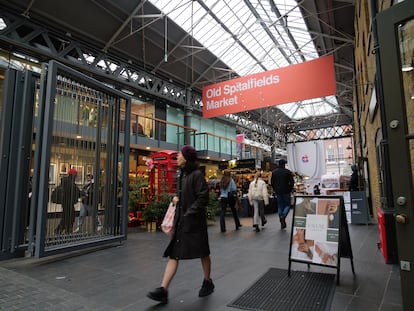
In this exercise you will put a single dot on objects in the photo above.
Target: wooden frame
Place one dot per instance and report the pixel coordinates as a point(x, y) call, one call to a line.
point(63, 168)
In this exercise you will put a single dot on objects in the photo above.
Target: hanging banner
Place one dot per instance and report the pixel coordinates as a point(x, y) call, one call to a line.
point(307, 158)
point(240, 145)
point(312, 79)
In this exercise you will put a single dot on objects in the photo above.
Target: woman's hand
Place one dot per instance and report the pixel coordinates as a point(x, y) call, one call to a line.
point(175, 200)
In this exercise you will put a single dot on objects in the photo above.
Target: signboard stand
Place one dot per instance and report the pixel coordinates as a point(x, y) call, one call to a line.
point(320, 234)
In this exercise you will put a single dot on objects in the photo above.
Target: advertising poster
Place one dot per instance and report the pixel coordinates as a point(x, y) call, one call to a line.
point(315, 236)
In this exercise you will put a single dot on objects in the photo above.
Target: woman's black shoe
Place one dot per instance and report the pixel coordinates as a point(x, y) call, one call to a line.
point(159, 294)
point(206, 288)
point(256, 228)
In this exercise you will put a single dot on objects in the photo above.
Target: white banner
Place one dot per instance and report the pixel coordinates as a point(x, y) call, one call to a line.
point(307, 158)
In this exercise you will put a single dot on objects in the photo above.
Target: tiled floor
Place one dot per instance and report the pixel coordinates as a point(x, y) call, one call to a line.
point(118, 277)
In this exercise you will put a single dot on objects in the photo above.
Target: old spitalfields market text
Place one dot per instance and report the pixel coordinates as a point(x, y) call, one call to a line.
point(226, 95)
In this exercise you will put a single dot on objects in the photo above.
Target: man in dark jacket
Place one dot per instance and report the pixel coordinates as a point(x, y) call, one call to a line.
point(190, 238)
point(88, 208)
point(282, 184)
point(70, 196)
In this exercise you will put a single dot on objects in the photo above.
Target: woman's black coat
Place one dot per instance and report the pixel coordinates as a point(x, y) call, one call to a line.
point(190, 238)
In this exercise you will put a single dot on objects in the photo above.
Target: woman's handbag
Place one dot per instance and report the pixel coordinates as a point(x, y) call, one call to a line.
point(167, 225)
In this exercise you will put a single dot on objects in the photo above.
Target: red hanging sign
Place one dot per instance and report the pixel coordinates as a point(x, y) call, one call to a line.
point(311, 79)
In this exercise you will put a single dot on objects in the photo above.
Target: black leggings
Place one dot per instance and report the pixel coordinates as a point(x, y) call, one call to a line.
point(224, 203)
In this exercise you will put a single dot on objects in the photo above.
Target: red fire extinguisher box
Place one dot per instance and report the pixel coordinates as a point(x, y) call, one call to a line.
point(388, 241)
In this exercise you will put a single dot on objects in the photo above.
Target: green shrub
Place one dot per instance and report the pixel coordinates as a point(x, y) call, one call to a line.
point(212, 206)
point(136, 194)
point(157, 208)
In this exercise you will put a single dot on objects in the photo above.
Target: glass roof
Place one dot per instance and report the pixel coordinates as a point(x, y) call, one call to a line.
point(252, 36)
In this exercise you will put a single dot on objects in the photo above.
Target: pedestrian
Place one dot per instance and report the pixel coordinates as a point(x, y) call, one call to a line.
point(70, 196)
point(258, 197)
point(354, 182)
point(190, 237)
point(316, 190)
point(88, 208)
point(282, 184)
point(228, 193)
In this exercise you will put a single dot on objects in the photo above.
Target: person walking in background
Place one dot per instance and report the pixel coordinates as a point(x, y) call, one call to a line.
point(316, 189)
point(263, 204)
point(228, 191)
point(190, 238)
point(354, 183)
point(282, 184)
point(87, 207)
point(70, 195)
point(258, 196)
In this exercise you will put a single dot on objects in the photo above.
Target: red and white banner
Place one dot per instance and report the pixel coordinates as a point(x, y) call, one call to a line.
point(312, 79)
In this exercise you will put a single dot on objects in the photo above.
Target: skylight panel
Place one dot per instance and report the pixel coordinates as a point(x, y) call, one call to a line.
point(309, 107)
point(206, 30)
point(252, 33)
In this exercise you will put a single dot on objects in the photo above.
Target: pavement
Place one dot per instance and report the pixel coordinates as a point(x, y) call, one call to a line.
point(118, 276)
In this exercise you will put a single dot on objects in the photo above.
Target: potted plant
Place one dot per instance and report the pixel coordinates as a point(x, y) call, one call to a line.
point(212, 208)
point(150, 216)
point(154, 213)
point(136, 195)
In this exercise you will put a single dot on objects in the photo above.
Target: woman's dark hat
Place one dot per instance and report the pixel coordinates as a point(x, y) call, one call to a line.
point(189, 153)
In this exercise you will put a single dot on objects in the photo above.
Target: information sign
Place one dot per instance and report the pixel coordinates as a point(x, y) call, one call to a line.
point(320, 233)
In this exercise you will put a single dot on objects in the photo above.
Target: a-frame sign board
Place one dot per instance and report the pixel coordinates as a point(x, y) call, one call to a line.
point(320, 234)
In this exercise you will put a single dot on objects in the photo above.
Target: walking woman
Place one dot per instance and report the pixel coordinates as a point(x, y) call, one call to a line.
point(258, 196)
point(228, 190)
point(190, 238)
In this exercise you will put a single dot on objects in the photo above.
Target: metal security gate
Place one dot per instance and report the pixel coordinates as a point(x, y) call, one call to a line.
point(16, 132)
point(80, 135)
